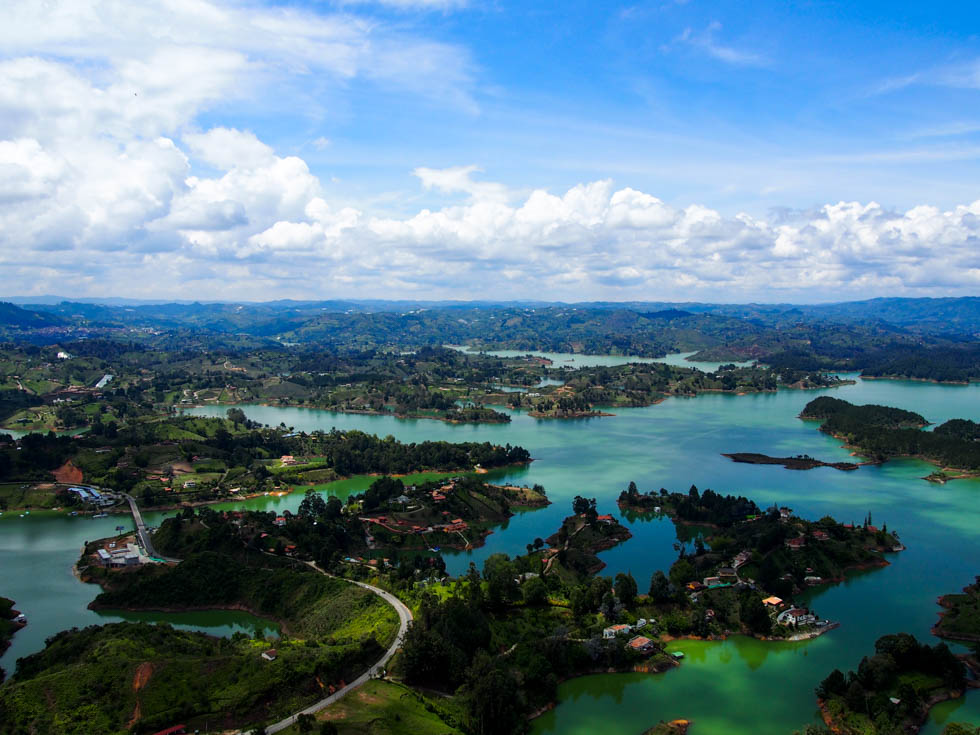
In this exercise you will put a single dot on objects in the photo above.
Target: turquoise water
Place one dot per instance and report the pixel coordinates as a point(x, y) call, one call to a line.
point(576, 360)
point(737, 686)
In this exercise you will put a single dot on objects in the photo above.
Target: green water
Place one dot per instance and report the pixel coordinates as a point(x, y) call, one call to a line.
point(736, 686)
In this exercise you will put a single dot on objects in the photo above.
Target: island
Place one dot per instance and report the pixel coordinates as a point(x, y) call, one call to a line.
point(960, 619)
point(883, 432)
point(747, 564)
point(799, 462)
point(892, 690)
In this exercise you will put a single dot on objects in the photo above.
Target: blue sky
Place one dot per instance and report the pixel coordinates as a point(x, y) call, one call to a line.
point(470, 149)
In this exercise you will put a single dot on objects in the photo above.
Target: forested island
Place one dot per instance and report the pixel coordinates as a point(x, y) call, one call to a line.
point(882, 432)
point(892, 690)
point(960, 619)
point(771, 553)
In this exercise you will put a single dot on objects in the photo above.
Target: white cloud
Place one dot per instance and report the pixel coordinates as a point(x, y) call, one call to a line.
point(707, 42)
point(106, 163)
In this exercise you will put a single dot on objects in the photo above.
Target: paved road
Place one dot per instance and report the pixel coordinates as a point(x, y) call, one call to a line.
point(141, 531)
point(404, 618)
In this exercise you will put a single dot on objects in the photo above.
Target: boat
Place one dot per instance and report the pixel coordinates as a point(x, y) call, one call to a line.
point(678, 654)
point(101, 515)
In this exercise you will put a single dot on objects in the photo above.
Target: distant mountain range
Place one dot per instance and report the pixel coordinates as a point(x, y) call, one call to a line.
point(746, 330)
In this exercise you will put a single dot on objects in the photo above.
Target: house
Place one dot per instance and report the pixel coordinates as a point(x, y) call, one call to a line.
point(640, 623)
point(280, 521)
point(773, 601)
point(105, 558)
point(614, 630)
point(607, 519)
point(821, 535)
point(796, 616)
point(795, 544)
point(741, 558)
point(694, 586)
point(287, 459)
point(269, 655)
point(813, 580)
point(709, 614)
point(727, 573)
point(403, 499)
point(784, 512)
point(62, 355)
point(641, 644)
point(711, 581)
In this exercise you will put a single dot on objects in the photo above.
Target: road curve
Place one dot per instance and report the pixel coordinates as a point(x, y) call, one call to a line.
point(404, 618)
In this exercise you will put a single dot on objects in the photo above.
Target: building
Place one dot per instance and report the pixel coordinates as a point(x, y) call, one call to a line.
point(772, 601)
point(641, 644)
point(269, 655)
point(607, 519)
point(796, 616)
point(821, 536)
point(727, 573)
point(711, 581)
point(614, 630)
point(741, 558)
point(795, 544)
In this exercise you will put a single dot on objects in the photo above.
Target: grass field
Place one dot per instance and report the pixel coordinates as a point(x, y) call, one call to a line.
point(385, 708)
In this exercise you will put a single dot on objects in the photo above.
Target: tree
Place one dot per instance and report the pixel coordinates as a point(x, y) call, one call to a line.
point(492, 699)
point(535, 591)
point(834, 685)
point(682, 572)
point(659, 587)
point(305, 722)
point(753, 613)
point(236, 416)
point(583, 506)
point(626, 590)
point(328, 728)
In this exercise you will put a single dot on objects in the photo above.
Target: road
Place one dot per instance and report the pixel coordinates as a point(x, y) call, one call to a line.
point(404, 618)
point(141, 531)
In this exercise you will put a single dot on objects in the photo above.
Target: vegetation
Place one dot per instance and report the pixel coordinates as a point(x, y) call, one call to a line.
point(137, 677)
point(961, 618)
point(891, 691)
point(881, 432)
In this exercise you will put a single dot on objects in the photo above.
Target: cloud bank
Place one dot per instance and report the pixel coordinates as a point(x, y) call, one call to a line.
point(111, 185)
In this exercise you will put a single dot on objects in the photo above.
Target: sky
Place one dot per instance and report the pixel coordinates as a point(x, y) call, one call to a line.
point(486, 149)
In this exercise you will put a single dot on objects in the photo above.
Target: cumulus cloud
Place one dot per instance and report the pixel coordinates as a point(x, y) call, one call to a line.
point(110, 183)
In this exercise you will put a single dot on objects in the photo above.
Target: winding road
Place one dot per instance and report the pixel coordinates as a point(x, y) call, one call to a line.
point(404, 618)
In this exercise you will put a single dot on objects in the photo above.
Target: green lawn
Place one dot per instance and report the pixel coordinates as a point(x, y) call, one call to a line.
point(385, 708)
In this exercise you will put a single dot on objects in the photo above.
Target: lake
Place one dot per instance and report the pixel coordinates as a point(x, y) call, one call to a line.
point(735, 686)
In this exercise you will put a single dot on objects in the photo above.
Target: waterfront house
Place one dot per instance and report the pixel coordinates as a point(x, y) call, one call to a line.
point(796, 616)
point(607, 519)
point(641, 644)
